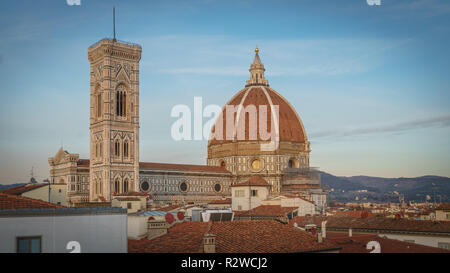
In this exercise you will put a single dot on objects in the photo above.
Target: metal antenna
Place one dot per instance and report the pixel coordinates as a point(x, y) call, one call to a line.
point(114, 23)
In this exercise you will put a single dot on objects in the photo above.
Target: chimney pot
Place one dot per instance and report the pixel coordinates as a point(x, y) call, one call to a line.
point(209, 243)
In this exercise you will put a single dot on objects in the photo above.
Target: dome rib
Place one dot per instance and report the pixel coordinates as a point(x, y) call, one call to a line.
point(290, 126)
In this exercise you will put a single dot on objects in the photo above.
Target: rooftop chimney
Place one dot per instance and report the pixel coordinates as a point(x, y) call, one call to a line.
point(324, 229)
point(319, 237)
point(209, 243)
point(156, 229)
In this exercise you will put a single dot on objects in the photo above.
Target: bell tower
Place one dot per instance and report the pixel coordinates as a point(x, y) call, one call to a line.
point(114, 118)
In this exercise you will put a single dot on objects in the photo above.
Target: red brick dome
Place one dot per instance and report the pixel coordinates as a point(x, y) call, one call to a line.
point(290, 126)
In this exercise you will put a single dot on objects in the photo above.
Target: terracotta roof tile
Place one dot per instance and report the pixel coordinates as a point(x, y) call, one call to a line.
point(15, 202)
point(259, 236)
point(83, 162)
point(131, 193)
point(127, 198)
point(355, 214)
point(358, 242)
point(254, 180)
point(290, 125)
point(268, 210)
point(443, 206)
point(170, 208)
point(22, 189)
point(376, 223)
point(220, 201)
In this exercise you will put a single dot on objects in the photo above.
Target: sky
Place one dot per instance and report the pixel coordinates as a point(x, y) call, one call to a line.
point(370, 83)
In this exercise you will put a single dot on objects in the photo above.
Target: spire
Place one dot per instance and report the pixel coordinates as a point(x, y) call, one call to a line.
point(114, 23)
point(257, 72)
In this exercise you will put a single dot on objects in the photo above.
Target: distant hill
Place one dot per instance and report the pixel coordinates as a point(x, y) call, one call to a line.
point(4, 187)
point(346, 189)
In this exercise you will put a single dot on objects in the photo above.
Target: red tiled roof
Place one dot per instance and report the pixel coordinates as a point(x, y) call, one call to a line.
point(186, 237)
point(220, 201)
point(258, 236)
point(376, 223)
point(181, 167)
point(296, 196)
point(9, 202)
point(255, 180)
point(355, 214)
point(22, 189)
point(443, 206)
point(127, 198)
point(83, 162)
point(300, 186)
point(358, 242)
point(131, 193)
point(169, 208)
point(268, 210)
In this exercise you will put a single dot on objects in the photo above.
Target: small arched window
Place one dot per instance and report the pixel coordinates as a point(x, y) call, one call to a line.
point(116, 148)
point(121, 101)
point(125, 149)
point(99, 104)
point(125, 185)
point(117, 185)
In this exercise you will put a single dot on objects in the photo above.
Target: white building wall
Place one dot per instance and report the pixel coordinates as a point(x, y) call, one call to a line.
point(137, 226)
point(58, 194)
point(419, 239)
point(95, 233)
point(246, 202)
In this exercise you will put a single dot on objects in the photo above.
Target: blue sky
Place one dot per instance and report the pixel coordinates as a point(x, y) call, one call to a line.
point(370, 83)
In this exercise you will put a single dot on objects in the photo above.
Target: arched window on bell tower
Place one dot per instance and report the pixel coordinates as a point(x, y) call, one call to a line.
point(117, 186)
point(126, 153)
point(125, 185)
point(116, 148)
point(121, 101)
point(99, 105)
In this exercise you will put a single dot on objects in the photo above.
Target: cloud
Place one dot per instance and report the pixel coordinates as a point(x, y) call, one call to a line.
point(282, 57)
point(436, 122)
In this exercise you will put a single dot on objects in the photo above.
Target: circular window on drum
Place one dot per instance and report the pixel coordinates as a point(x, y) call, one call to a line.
point(217, 187)
point(145, 186)
point(183, 187)
point(256, 164)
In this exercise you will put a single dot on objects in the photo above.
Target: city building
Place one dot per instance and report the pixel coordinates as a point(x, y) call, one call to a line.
point(442, 212)
point(357, 243)
point(35, 226)
point(422, 232)
point(51, 192)
point(268, 140)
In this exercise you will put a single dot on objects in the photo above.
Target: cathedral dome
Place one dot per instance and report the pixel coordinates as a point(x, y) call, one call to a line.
point(257, 97)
